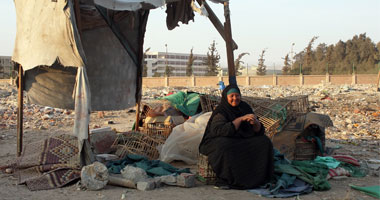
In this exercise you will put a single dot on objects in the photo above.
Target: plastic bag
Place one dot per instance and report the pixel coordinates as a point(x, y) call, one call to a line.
point(183, 142)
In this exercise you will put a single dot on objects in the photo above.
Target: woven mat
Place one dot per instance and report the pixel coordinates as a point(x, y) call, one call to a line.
point(50, 163)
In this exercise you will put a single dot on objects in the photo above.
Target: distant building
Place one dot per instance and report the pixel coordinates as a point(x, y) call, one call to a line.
point(5, 66)
point(156, 63)
point(251, 71)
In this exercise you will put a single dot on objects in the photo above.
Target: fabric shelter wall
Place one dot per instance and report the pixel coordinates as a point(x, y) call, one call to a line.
point(46, 32)
point(51, 86)
point(111, 71)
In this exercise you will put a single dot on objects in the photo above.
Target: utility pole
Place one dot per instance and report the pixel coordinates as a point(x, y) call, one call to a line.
point(166, 60)
point(247, 70)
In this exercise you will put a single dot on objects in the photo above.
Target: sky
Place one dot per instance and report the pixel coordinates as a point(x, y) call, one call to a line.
point(273, 25)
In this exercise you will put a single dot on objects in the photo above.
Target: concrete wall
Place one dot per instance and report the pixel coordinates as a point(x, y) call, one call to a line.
point(261, 80)
point(256, 80)
point(289, 80)
point(205, 81)
point(341, 79)
point(179, 81)
point(314, 79)
point(153, 81)
point(366, 78)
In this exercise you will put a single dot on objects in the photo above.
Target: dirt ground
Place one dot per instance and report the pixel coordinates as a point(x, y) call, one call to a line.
point(123, 121)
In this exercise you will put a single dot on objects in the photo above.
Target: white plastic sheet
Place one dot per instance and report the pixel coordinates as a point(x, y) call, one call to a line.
point(82, 98)
point(130, 5)
point(183, 142)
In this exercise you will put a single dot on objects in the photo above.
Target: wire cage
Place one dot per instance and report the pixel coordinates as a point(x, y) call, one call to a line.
point(136, 143)
point(298, 105)
point(305, 150)
point(159, 131)
point(284, 109)
point(205, 172)
point(270, 118)
point(209, 102)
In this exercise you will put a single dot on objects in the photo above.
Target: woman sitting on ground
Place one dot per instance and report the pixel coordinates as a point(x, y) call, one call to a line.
point(238, 151)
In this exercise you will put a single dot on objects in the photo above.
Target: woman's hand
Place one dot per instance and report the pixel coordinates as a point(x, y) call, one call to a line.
point(251, 118)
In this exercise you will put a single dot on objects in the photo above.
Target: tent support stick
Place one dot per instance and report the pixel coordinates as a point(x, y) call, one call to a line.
point(216, 22)
point(143, 20)
point(20, 110)
point(230, 51)
point(77, 16)
point(137, 116)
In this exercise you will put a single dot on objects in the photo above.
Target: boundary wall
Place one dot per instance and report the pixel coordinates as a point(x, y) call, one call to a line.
point(199, 81)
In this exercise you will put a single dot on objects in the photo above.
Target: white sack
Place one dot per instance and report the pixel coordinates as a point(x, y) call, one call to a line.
point(183, 142)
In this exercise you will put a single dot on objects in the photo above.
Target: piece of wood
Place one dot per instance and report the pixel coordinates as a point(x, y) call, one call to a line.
point(137, 116)
point(120, 181)
point(20, 109)
point(378, 81)
point(216, 22)
point(230, 51)
point(77, 16)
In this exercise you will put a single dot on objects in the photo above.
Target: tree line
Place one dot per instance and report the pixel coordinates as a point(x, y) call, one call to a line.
point(357, 55)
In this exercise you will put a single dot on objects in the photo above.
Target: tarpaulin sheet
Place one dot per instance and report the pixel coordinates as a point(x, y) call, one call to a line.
point(46, 32)
point(187, 103)
point(370, 190)
point(51, 86)
point(285, 141)
point(110, 70)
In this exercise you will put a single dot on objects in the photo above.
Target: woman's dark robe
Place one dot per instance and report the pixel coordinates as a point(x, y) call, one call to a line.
point(241, 159)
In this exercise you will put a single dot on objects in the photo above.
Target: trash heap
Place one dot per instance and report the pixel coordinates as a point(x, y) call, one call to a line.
point(353, 109)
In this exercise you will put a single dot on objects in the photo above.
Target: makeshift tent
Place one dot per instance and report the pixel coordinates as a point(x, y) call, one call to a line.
point(87, 54)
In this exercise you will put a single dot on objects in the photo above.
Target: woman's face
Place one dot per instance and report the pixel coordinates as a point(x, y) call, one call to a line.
point(233, 99)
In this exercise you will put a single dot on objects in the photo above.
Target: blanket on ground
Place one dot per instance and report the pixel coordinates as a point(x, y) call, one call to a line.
point(50, 163)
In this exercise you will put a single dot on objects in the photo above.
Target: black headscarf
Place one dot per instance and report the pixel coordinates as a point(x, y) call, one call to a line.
point(230, 113)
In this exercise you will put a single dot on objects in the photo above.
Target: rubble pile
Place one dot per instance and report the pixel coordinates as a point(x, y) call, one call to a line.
point(354, 110)
point(35, 116)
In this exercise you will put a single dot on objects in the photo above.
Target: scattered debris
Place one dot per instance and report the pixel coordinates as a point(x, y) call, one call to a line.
point(94, 176)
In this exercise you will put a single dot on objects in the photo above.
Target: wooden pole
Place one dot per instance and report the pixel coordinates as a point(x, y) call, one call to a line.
point(143, 21)
point(216, 22)
point(378, 80)
point(230, 51)
point(77, 16)
point(20, 110)
point(137, 116)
